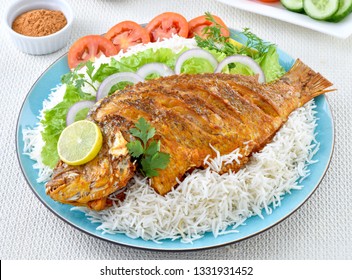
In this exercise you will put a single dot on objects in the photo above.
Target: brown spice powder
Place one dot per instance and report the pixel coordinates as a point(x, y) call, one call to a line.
point(37, 23)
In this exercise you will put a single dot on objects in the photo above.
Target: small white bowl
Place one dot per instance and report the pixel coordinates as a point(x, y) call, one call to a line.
point(44, 44)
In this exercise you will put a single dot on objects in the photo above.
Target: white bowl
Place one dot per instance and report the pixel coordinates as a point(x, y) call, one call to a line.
point(44, 44)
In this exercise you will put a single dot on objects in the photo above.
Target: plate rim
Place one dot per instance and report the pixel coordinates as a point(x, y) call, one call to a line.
point(135, 246)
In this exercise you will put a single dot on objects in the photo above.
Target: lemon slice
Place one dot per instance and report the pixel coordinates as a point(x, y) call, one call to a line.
point(239, 45)
point(80, 142)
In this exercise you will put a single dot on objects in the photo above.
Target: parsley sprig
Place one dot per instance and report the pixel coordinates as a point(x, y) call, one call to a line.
point(147, 151)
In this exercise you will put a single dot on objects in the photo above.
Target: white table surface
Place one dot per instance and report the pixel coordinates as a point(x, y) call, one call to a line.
point(320, 229)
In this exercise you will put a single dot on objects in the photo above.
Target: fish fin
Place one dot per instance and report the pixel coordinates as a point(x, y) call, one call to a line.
point(308, 82)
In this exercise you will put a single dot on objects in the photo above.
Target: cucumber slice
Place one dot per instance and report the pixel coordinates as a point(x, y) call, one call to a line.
point(320, 9)
point(344, 10)
point(293, 5)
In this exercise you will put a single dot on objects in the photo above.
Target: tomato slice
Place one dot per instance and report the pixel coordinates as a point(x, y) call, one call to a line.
point(89, 47)
point(166, 24)
point(197, 25)
point(126, 34)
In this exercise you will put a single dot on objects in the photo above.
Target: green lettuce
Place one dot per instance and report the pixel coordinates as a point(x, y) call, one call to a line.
point(197, 65)
point(241, 69)
point(54, 122)
point(269, 62)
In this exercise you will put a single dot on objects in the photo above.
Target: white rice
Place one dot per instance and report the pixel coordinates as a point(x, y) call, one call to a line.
point(208, 202)
point(32, 138)
point(205, 201)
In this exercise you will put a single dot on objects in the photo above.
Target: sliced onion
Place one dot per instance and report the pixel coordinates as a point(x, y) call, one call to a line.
point(243, 60)
point(75, 108)
point(160, 68)
point(106, 85)
point(194, 53)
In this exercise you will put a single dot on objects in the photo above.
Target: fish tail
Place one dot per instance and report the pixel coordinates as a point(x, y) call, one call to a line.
point(308, 82)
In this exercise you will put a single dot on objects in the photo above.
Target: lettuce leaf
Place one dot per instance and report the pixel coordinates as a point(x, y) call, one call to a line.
point(241, 69)
point(54, 122)
point(270, 64)
point(197, 65)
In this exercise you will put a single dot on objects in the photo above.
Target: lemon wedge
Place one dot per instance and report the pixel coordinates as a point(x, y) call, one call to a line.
point(79, 142)
point(239, 46)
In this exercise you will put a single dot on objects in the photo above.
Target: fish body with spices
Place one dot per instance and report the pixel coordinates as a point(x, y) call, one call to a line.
point(192, 116)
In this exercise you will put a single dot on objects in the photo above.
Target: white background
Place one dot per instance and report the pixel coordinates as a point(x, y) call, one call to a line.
point(320, 229)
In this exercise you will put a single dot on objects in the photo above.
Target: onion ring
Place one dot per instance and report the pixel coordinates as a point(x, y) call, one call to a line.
point(106, 85)
point(75, 108)
point(194, 53)
point(160, 68)
point(246, 60)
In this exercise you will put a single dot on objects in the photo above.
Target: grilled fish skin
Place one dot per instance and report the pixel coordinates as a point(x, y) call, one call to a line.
point(190, 113)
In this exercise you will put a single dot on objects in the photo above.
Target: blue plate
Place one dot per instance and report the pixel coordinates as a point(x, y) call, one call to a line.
point(254, 225)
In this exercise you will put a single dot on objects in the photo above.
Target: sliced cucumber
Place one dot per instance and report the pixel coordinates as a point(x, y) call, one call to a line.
point(293, 5)
point(344, 10)
point(320, 9)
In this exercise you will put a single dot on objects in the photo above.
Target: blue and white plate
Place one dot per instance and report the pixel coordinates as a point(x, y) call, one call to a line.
point(254, 225)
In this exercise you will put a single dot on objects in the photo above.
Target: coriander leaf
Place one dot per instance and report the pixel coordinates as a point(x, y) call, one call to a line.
point(135, 148)
point(79, 83)
point(148, 156)
point(153, 148)
point(157, 161)
point(142, 124)
point(147, 170)
point(67, 78)
point(90, 68)
point(143, 131)
point(150, 133)
point(136, 132)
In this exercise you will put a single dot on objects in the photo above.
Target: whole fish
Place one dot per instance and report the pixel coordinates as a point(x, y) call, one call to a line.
point(191, 114)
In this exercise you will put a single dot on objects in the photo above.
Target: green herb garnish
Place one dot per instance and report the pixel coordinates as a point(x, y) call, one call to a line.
point(216, 41)
point(78, 80)
point(264, 53)
point(145, 151)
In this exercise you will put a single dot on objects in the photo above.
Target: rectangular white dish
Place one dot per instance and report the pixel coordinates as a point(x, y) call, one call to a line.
point(341, 29)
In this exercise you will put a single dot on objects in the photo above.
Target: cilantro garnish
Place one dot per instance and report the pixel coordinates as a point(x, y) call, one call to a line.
point(78, 80)
point(214, 40)
point(145, 151)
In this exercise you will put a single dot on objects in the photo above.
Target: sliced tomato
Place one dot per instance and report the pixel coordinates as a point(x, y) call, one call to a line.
point(126, 34)
point(89, 47)
point(197, 25)
point(166, 24)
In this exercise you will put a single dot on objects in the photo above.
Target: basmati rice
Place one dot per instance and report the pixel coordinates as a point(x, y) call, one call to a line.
point(208, 202)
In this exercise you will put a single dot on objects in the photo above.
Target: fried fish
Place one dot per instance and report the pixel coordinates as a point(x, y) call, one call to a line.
point(191, 114)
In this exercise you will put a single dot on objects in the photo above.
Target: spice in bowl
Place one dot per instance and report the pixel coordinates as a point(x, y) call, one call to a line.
point(38, 23)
